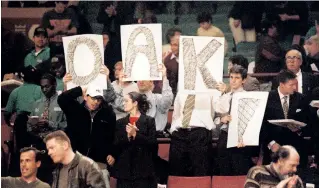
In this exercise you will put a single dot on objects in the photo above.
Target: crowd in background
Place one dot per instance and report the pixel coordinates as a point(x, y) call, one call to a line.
point(114, 131)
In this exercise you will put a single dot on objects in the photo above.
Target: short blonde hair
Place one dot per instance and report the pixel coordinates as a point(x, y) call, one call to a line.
point(118, 63)
point(314, 39)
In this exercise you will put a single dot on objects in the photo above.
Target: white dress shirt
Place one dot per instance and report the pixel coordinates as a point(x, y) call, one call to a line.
point(202, 115)
point(299, 79)
point(282, 100)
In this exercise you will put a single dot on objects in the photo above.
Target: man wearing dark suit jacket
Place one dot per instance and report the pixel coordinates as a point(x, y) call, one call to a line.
point(284, 103)
point(305, 81)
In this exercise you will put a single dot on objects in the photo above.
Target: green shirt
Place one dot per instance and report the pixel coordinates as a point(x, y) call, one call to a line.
point(17, 182)
point(33, 59)
point(57, 120)
point(59, 84)
point(22, 98)
point(311, 32)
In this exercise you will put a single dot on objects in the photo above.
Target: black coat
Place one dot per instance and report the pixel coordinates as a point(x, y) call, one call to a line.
point(135, 158)
point(309, 82)
point(91, 137)
point(298, 110)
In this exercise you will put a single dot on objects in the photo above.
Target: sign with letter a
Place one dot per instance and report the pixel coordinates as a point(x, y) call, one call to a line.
point(141, 51)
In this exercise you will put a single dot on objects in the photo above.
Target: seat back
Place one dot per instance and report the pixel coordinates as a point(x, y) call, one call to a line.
point(113, 182)
point(189, 182)
point(228, 181)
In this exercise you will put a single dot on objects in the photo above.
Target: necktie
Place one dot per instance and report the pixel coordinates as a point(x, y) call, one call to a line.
point(188, 109)
point(285, 107)
point(45, 114)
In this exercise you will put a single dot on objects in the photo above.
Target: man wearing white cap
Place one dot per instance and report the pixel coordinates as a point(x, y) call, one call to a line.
point(91, 124)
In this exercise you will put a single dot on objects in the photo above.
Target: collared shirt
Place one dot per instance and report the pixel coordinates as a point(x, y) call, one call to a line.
point(160, 104)
point(22, 98)
point(174, 56)
point(282, 99)
point(299, 79)
point(35, 58)
point(223, 105)
point(121, 91)
point(202, 114)
point(56, 118)
point(59, 85)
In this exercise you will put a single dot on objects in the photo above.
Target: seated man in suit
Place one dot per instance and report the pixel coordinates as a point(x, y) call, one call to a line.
point(284, 103)
point(305, 81)
point(250, 84)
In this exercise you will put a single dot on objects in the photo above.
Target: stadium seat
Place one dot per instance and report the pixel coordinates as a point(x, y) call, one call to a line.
point(163, 151)
point(228, 181)
point(189, 182)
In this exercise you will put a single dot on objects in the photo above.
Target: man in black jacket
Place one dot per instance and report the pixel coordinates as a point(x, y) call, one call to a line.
point(91, 124)
point(73, 169)
point(285, 103)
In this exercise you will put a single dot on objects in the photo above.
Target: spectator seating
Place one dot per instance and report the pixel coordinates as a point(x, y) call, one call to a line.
point(189, 182)
point(246, 48)
point(228, 181)
point(163, 151)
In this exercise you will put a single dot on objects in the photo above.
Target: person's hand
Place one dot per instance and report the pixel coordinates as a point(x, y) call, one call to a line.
point(225, 119)
point(221, 87)
point(283, 183)
point(165, 54)
point(241, 143)
point(293, 128)
point(162, 68)
point(293, 181)
point(104, 70)
point(131, 130)
point(275, 147)
point(283, 17)
point(67, 78)
point(236, 23)
point(110, 160)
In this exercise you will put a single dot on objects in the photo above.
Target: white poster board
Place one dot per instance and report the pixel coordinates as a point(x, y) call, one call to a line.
point(247, 112)
point(141, 51)
point(200, 59)
point(84, 57)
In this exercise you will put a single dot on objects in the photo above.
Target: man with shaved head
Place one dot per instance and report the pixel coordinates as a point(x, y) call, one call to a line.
point(280, 173)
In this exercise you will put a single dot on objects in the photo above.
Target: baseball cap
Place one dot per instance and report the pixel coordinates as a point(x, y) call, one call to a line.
point(40, 31)
point(94, 91)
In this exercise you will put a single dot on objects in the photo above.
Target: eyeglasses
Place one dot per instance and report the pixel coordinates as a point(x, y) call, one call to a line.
point(292, 58)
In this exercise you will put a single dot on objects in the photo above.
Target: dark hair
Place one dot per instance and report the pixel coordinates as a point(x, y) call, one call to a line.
point(237, 69)
point(204, 17)
point(64, 2)
point(266, 24)
point(239, 60)
point(285, 75)
point(143, 104)
point(38, 153)
point(30, 74)
point(49, 77)
point(171, 33)
point(149, 19)
point(282, 153)
point(58, 135)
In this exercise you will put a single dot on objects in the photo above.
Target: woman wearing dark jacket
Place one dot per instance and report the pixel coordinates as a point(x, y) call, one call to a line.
point(135, 139)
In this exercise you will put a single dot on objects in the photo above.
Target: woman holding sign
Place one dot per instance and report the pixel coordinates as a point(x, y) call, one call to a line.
point(135, 139)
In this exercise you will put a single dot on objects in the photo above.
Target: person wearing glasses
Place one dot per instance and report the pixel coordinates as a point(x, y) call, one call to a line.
point(305, 81)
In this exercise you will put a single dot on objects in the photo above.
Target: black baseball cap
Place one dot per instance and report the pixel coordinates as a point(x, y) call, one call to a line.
point(40, 31)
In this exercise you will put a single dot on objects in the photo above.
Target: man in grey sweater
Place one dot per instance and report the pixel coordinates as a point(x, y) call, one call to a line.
point(29, 164)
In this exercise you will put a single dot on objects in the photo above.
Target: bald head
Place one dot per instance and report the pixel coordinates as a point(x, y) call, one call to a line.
point(293, 60)
point(286, 160)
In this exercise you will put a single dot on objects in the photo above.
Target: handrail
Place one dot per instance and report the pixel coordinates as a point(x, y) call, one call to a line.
point(270, 74)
